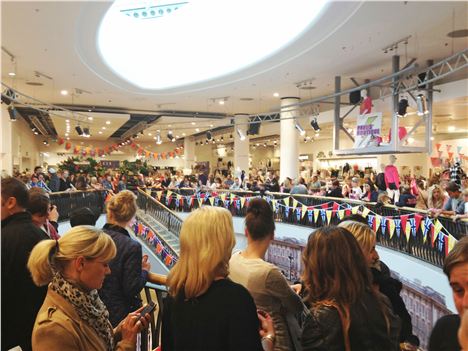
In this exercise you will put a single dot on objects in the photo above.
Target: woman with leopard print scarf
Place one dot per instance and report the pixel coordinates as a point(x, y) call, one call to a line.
point(73, 316)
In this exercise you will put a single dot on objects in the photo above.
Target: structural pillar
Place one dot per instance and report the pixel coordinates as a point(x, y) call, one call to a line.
point(241, 147)
point(289, 137)
point(189, 155)
point(6, 149)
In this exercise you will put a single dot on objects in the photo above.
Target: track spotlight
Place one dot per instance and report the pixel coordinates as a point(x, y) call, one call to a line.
point(209, 136)
point(86, 132)
point(315, 125)
point(300, 129)
point(7, 96)
point(13, 113)
point(402, 106)
point(79, 130)
point(170, 136)
point(422, 105)
point(45, 142)
point(240, 134)
point(230, 136)
point(158, 139)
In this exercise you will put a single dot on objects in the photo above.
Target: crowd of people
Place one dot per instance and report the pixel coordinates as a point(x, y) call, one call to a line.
point(437, 195)
point(80, 291)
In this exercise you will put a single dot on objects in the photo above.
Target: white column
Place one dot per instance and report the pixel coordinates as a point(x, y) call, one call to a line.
point(6, 154)
point(189, 155)
point(241, 147)
point(289, 147)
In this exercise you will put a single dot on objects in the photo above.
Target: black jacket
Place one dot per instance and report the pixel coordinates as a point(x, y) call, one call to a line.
point(337, 192)
point(322, 330)
point(444, 335)
point(54, 183)
point(21, 299)
point(121, 289)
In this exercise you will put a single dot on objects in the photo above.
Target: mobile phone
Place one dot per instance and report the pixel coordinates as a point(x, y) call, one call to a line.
point(148, 309)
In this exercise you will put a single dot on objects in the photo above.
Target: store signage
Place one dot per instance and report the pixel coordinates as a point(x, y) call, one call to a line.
point(368, 128)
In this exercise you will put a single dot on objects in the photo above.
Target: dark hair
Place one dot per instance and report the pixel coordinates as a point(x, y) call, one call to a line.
point(12, 187)
point(259, 219)
point(38, 203)
point(355, 218)
point(336, 183)
point(458, 255)
point(452, 186)
point(82, 216)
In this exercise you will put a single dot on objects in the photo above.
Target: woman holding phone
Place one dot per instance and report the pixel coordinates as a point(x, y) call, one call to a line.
point(73, 316)
point(204, 309)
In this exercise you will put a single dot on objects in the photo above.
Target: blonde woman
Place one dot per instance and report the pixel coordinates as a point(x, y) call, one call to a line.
point(387, 285)
point(73, 316)
point(436, 198)
point(205, 310)
point(129, 269)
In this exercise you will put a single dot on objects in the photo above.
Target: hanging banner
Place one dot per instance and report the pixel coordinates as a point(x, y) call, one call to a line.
point(304, 210)
point(383, 225)
point(294, 203)
point(391, 227)
point(341, 214)
point(368, 128)
point(316, 214)
point(329, 215)
point(365, 212)
point(450, 242)
point(437, 229)
point(355, 209)
point(377, 223)
point(242, 200)
point(310, 215)
point(298, 214)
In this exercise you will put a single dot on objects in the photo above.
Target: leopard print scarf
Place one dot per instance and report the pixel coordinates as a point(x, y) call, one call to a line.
point(89, 307)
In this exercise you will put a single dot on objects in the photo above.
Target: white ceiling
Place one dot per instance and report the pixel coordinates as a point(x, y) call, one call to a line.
point(347, 40)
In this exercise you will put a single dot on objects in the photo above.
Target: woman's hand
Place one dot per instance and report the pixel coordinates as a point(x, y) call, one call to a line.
point(297, 288)
point(145, 264)
point(266, 324)
point(133, 324)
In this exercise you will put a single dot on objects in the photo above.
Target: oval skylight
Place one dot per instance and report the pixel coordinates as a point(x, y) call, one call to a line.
point(165, 44)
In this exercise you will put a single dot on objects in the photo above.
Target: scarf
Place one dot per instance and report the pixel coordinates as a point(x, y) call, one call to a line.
point(89, 307)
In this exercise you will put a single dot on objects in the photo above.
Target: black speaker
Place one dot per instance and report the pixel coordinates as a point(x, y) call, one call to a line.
point(254, 128)
point(354, 97)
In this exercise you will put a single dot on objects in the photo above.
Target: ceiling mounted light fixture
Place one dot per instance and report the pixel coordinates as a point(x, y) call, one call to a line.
point(241, 134)
point(314, 124)
point(422, 105)
point(13, 113)
point(402, 107)
point(209, 136)
point(79, 130)
point(300, 129)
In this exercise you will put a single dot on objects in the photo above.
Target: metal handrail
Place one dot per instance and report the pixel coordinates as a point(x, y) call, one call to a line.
point(156, 294)
point(67, 201)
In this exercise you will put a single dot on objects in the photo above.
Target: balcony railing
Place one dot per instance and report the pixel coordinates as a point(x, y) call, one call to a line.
point(419, 241)
point(67, 201)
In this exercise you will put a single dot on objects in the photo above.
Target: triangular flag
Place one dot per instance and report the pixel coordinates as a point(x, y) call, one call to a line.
point(335, 206)
point(223, 196)
point(383, 225)
point(169, 193)
point(404, 220)
point(159, 194)
point(377, 221)
point(211, 199)
point(329, 214)
point(294, 203)
point(242, 201)
point(200, 202)
point(316, 214)
point(304, 210)
point(436, 230)
point(417, 222)
point(324, 216)
point(298, 214)
point(391, 227)
point(451, 241)
point(365, 212)
point(407, 230)
point(438, 146)
point(309, 215)
point(355, 209)
point(341, 214)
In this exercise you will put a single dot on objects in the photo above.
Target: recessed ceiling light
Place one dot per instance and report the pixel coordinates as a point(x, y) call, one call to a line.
point(64, 92)
point(68, 138)
point(197, 129)
point(90, 118)
point(451, 128)
point(67, 121)
point(193, 123)
point(12, 74)
point(432, 138)
point(317, 134)
point(211, 126)
point(89, 110)
point(66, 134)
point(155, 138)
point(100, 132)
point(104, 128)
point(169, 125)
point(221, 102)
point(183, 134)
point(410, 140)
point(107, 122)
point(276, 95)
point(150, 134)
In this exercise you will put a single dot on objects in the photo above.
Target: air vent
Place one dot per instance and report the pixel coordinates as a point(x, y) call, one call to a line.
point(246, 99)
point(307, 88)
point(35, 84)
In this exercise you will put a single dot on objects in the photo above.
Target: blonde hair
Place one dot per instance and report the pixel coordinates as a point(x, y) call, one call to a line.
point(206, 243)
point(50, 255)
point(122, 206)
point(364, 235)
